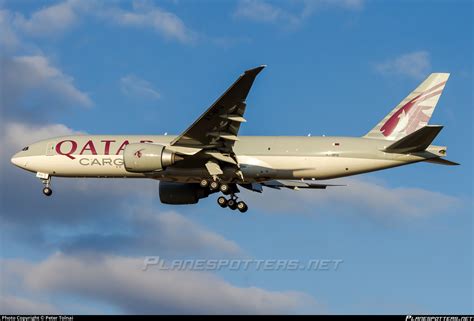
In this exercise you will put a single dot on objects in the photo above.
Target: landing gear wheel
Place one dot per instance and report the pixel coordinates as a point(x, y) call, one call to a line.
point(214, 185)
point(222, 201)
point(47, 191)
point(232, 204)
point(242, 207)
point(224, 188)
point(204, 183)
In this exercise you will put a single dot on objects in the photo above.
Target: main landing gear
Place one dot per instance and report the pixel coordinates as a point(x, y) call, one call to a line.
point(232, 202)
point(215, 185)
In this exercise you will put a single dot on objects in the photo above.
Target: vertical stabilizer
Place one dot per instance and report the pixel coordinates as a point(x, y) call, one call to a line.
point(413, 112)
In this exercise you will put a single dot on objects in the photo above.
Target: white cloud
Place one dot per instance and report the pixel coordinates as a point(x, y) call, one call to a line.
point(17, 305)
point(292, 15)
point(177, 231)
point(257, 10)
point(313, 6)
point(56, 19)
point(360, 196)
point(134, 86)
point(121, 282)
point(145, 15)
point(53, 20)
point(32, 88)
point(8, 38)
point(40, 71)
point(344, 4)
point(150, 232)
point(415, 64)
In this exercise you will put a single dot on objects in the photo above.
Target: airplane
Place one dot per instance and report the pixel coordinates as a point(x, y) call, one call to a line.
point(210, 157)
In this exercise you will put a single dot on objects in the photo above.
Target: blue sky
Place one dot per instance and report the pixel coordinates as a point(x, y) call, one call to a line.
point(335, 67)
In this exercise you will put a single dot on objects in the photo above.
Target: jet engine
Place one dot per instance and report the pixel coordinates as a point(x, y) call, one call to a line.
point(181, 193)
point(145, 157)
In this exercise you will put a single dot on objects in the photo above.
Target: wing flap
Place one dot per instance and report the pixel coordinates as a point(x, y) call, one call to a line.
point(235, 118)
point(225, 136)
point(222, 157)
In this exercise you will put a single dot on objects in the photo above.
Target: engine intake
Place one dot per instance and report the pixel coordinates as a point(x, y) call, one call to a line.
point(145, 157)
point(181, 193)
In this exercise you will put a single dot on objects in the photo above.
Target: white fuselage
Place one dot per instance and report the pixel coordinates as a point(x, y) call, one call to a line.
point(259, 157)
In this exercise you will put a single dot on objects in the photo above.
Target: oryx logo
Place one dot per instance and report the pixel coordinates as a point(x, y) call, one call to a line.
point(138, 153)
point(413, 115)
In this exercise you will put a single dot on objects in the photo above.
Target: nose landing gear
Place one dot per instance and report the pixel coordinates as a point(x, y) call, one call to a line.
point(46, 180)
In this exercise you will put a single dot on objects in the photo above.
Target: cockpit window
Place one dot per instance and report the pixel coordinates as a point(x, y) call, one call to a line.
point(25, 149)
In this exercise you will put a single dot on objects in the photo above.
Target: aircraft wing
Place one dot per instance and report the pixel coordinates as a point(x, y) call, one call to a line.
point(278, 184)
point(217, 128)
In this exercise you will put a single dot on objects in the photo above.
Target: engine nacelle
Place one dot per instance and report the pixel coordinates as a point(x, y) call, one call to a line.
point(145, 157)
point(181, 193)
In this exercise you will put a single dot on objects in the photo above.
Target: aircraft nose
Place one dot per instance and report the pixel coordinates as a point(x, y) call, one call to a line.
point(15, 160)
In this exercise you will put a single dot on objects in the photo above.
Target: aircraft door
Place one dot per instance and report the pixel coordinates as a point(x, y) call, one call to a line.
point(50, 149)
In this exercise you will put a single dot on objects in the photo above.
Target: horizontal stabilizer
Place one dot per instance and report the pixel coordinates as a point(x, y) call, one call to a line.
point(417, 141)
point(278, 184)
point(441, 161)
point(295, 184)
